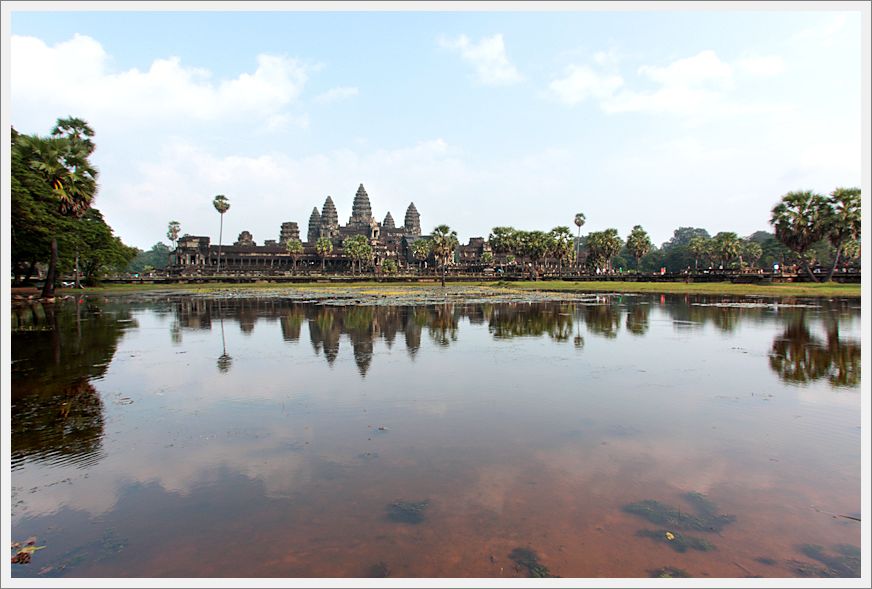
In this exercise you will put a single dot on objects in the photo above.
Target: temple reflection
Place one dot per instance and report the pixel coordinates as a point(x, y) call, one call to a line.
point(797, 355)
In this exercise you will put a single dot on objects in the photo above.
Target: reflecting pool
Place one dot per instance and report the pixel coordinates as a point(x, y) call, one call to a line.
point(605, 436)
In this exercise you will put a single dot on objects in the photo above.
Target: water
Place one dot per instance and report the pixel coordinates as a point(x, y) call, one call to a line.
point(186, 436)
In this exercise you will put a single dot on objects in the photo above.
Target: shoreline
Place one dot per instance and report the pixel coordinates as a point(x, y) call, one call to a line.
point(460, 290)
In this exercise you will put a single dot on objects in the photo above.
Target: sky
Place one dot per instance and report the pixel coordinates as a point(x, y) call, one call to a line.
point(657, 118)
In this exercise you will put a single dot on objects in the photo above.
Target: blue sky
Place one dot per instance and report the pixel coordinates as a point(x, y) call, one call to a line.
point(658, 118)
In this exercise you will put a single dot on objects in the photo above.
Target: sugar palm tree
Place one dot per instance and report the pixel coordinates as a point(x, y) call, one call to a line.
point(561, 242)
point(843, 221)
point(639, 244)
point(800, 221)
point(698, 246)
point(324, 246)
point(421, 250)
point(222, 205)
point(444, 244)
point(579, 221)
point(295, 248)
point(62, 161)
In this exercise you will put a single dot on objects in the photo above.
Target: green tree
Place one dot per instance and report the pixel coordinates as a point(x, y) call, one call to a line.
point(389, 266)
point(358, 249)
point(61, 163)
point(444, 244)
point(535, 245)
point(638, 243)
point(801, 220)
point(156, 257)
point(487, 258)
point(562, 245)
point(698, 246)
point(751, 252)
point(421, 250)
point(324, 247)
point(505, 240)
point(843, 221)
point(222, 205)
point(727, 246)
point(295, 249)
point(602, 247)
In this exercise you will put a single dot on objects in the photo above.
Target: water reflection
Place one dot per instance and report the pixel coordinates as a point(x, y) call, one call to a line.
point(58, 350)
point(798, 356)
point(303, 469)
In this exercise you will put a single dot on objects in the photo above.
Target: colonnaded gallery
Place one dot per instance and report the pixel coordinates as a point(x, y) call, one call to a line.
point(195, 254)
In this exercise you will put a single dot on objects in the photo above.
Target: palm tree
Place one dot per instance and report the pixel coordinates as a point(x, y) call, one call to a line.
point(561, 242)
point(639, 244)
point(324, 246)
point(357, 248)
point(444, 244)
point(421, 250)
point(295, 248)
point(843, 221)
point(698, 246)
point(728, 246)
point(603, 246)
point(222, 205)
point(579, 221)
point(62, 160)
point(751, 251)
point(800, 220)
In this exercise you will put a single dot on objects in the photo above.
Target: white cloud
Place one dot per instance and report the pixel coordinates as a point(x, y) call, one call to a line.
point(764, 66)
point(337, 94)
point(702, 68)
point(75, 76)
point(488, 57)
point(582, 82)
point(695, 87)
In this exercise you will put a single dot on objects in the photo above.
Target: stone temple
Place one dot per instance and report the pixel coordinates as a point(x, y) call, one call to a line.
point(196, 253)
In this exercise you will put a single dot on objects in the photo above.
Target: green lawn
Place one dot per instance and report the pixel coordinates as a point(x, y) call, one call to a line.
point(372, 287)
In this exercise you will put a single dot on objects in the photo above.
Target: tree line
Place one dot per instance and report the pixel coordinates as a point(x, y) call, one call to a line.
point(54, 185)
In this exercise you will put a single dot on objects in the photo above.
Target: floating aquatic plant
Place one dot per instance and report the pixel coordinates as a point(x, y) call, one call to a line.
point(706, 519)
point(407, 512)
point(530, 560)
point(677, 541)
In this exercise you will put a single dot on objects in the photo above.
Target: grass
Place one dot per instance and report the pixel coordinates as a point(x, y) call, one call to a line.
point(394, 288)
point(717, 288)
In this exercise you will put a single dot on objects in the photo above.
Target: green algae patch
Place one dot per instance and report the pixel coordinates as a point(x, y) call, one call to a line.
point(843, 561)
point(706, 518)
point(407, 512)
point(528, 559)
point(669, 573)
point(677, 541)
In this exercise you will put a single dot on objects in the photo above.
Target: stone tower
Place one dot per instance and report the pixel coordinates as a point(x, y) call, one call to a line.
point(413, 220)
point(361, 212)
point(329, 219)
point(314, 226)
point(290, 230)
point(388, 223)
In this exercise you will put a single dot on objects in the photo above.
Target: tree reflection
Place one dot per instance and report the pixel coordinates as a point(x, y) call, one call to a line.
point(798, 356)
point(637, 319)
point(603, 319)
point(57, 350)
point(535, 319)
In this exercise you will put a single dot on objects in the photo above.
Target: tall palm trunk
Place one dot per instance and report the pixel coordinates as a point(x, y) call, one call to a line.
point(807, 267)
point(48, 289)
point(220, 238)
